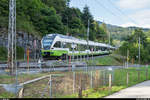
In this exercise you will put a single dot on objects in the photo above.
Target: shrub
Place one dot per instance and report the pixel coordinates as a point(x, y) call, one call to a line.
point(3, 53)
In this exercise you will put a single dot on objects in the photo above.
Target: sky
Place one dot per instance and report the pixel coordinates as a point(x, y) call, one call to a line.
point(123, 13)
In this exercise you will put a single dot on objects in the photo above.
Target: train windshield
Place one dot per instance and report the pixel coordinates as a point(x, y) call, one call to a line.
point(47, 42)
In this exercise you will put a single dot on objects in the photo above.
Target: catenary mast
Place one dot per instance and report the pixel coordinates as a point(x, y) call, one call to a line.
point(12, 35)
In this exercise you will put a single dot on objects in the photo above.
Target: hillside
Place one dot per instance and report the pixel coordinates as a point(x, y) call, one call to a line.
point(121, 33)
point(41, 17)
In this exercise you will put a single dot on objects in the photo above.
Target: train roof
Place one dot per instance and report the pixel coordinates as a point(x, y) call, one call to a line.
point(73, 39)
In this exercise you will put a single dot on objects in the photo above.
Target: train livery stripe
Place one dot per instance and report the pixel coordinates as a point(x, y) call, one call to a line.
point(62, 52)
point(54, 52)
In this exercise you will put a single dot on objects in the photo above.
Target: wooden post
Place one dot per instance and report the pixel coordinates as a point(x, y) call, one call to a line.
point(138, 75)
point(50, 86)
point(102, 78)
point(127, 58)
point(80, 88)
point(74, 77)
point(21, 93)
point(91, 80)
point(132, 61)
point(110, 79)
point(127, 79)
point(69, 63)
point(97, 78)
point(105, 77)
point(146, 73)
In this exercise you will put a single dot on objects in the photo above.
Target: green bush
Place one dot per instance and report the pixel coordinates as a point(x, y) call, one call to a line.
point(3, 53)
point(20, 52)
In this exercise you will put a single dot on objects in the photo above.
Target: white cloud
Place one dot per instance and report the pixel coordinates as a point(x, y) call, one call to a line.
point(142, 18)
point(128, 24)
point(133, 4)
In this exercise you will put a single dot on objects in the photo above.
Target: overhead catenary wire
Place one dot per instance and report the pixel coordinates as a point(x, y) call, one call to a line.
point(108, 10)
point(98, 2)
point(116, 15)
point(122, 12)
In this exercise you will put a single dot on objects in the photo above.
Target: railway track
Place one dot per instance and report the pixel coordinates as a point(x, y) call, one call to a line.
point(51, 63)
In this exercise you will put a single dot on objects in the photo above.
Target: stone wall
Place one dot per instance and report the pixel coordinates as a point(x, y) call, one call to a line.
point(23, 40)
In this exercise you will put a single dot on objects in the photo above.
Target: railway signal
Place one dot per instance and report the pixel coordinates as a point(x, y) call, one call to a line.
point(35, 48)
point(28, 56)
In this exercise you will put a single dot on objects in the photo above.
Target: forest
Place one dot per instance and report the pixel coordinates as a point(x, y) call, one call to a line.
point(41, 17)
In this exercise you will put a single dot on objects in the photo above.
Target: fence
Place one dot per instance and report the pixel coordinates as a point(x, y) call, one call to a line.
point(86, 83)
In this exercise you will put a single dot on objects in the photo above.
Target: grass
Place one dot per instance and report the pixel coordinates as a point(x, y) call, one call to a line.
point(107, 60)
point(7, 79)
point(35, 90)
point(96, 93)
point(118, 83)
point(4, 94)
point(62, 85)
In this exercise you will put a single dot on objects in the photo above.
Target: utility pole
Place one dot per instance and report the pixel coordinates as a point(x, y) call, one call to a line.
point(139, 50)
point(109, 41)
point(67, 24)
point(109, 38)
point(12, 57)
point(127, 57)
point(88, 38)
point(12, 35)
point(35, 44)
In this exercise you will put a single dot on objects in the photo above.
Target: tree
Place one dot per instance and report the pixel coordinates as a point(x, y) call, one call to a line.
point(104, 27)
point(71, 18)
point(59, 5)
point(136, 34)
point(52, 16)
point(87, 16)
point(50, 22)
point(132, 45)
point(4, 7)
point(67, 3)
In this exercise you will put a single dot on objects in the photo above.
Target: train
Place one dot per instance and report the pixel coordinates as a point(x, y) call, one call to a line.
point(58, 46)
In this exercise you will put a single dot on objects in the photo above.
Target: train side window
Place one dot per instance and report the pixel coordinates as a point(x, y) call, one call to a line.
point(90, 47)
point(64, 45)
point(96, 48)
point(99, 48)
point(102, 49)
point(82, 47)
point(85, 47)
point(68, 45)
point(57, 44)
point(78, 47)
